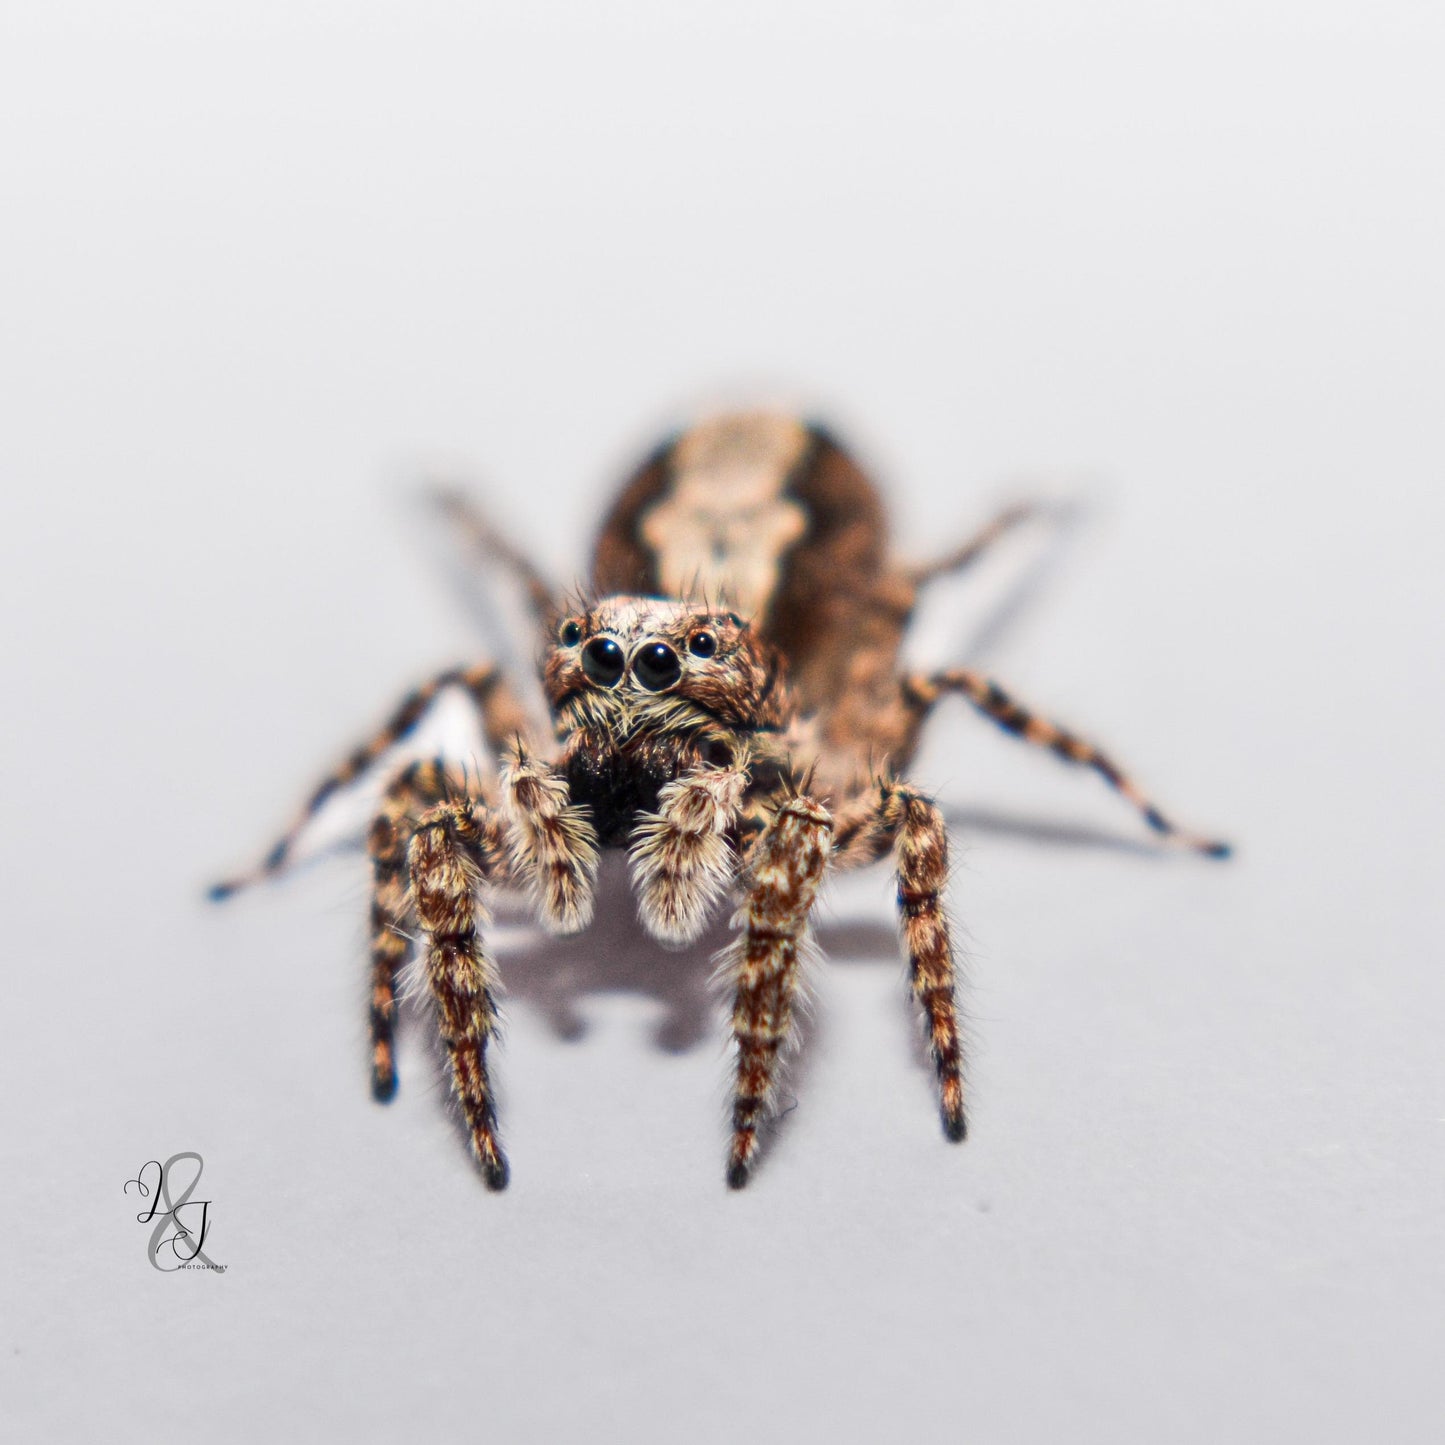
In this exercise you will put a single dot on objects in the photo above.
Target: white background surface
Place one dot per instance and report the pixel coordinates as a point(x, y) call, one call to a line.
point(263, 265)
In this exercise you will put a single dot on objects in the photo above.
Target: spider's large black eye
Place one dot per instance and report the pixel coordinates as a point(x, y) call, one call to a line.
point(569, 634)
point(603, 662)
point(702, 644)
point(656, 667)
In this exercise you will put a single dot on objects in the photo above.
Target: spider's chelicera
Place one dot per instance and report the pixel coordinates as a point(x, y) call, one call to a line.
point(743, 752)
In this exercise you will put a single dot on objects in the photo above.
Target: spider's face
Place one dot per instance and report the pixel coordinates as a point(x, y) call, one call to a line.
point(645, 656)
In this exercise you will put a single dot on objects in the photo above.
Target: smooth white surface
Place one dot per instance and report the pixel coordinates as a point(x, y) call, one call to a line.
point(263, 268)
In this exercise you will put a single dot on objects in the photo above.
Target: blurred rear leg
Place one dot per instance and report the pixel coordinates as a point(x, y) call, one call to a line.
point(920, 693)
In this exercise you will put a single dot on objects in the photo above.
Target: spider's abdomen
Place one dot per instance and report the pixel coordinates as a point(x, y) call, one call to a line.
point(766, 514)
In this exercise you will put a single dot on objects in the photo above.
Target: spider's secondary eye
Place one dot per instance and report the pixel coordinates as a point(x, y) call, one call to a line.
point(656, 667)
point(603, 662)
point(569, 634)
point(702, 644)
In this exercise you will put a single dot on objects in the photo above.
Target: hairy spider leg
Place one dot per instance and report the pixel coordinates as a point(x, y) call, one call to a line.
point(919, 693)
point(890, 817)
point(681, 857)
point(784, 868)
point(552, 841)
point(415, 790)
point(502, 716)
point(456, 848)
point(852, 693)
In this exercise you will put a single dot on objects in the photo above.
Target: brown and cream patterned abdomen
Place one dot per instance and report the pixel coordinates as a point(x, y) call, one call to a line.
point(771, 516)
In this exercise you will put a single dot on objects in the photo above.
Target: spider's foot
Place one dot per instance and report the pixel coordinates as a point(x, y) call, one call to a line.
point(955, 1126)
point(1205, 847)
point(383, 1060)
point(488, 1154)
point(1191, 842)
point(744, 1151)
point(496, 1172)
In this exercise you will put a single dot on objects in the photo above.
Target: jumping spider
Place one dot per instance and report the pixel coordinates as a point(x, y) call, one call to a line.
point(745, 747)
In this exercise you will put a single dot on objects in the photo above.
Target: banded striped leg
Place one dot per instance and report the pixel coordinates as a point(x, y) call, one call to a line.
point(455, 849)
point(889, 816)
point(416, 789)
point(785, 867)
point(502, 717)
point(971, 550)
point(681, 858)
point(553, 843)
point(920, 694)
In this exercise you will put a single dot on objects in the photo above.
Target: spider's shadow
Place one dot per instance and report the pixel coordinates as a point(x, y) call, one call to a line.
point(616, 955)
point(1054, 833)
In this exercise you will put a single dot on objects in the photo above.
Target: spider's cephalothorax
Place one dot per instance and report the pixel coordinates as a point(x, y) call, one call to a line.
point(740, 748)
point(644, 690)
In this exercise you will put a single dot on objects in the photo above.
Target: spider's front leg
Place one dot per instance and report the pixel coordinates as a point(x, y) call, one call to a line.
point(553, 842)
point(784, 868)
point(681, 858)
point(537, 836)
point(456, 848)
point(893, 816)
point(408, 797)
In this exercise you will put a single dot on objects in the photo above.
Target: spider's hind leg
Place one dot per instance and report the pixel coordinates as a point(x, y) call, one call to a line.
point(502, 718)
point(975, 547)
point(489, 545)
point(921, 692)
